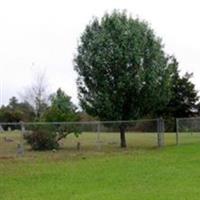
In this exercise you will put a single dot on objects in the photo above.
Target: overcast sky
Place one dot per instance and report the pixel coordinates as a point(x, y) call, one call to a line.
point(38, 35)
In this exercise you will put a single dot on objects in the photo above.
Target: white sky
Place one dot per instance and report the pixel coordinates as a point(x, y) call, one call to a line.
point(43, 34)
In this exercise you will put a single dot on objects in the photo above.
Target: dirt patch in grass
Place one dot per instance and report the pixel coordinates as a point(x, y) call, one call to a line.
point(6, 157)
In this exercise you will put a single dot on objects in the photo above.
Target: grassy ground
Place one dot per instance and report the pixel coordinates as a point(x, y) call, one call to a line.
point(140, 172)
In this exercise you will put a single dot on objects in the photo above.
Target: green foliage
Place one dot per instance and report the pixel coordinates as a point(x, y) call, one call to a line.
point(123, 70)
point(7, 115)
point(183, 101)
point(42, 139)
point(47, 136)
point(184, 98)
point(61, 109)
point(16, 112)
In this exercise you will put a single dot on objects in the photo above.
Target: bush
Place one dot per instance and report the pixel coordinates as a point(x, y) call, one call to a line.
point(42, 139)
point(47, 136)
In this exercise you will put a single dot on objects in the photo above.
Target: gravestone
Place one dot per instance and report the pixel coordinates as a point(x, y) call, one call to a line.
point(1, 129)
point(20, 150)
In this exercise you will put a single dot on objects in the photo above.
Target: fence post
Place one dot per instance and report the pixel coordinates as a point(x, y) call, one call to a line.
point(1, 129)
point(160, 132)
point(98, 136)
point(20, 146)
point(177, 132)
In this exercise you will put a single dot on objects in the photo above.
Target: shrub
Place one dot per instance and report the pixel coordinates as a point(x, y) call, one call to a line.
point(47, 137)
point(42, 139)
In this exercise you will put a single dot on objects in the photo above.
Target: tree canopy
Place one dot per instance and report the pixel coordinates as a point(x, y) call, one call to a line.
point(123, 70)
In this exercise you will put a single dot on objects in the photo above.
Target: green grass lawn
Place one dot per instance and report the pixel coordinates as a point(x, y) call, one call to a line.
point(140, 172)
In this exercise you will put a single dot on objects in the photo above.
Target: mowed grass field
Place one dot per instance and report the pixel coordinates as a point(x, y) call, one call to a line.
point(142, 171)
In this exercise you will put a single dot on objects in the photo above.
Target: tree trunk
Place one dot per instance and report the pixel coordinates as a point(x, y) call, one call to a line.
point(122, 137)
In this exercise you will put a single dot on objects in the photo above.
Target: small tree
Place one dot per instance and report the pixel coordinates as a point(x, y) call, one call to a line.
point(37, 96)
point(123, 72)
point(42, 138)
point(61, 109)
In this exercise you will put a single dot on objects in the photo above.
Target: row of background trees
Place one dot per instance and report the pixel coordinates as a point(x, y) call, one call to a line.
point(59, 107)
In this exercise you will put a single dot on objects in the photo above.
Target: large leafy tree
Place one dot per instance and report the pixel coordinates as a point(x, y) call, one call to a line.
point(123, 72)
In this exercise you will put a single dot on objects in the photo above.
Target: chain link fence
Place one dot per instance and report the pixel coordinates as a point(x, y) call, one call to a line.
point(188, 130)
point(11, 140)
point(19, 139)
